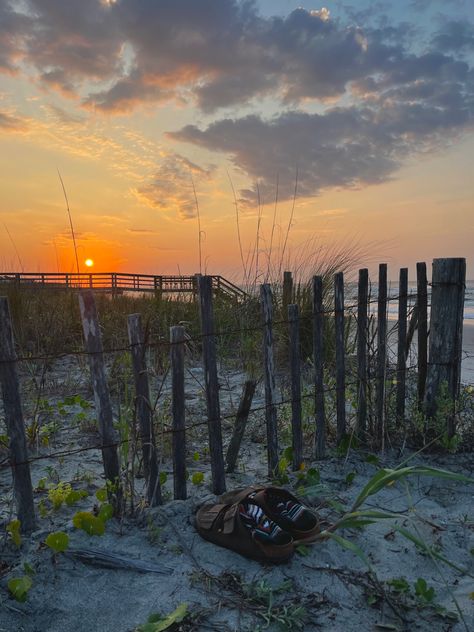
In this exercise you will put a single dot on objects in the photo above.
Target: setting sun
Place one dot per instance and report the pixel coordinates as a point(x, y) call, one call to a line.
point(89, 263)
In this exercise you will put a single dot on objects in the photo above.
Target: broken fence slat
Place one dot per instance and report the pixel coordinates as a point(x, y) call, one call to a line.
point(105, 559)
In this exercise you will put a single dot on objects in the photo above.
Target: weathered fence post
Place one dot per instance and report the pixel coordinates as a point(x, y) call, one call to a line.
point(402, 342)
point(381, 355)
point(22, 487)
point(318, 359)
point(446, 328)
point(212, 384)
point(362, 322)
point(144, 410)
point(178, 412)
point(269, 378)
point(340, 356)
point(240, 423)
point(422, 302)
point(93, 345)
point(295, 372)
point(287, 296)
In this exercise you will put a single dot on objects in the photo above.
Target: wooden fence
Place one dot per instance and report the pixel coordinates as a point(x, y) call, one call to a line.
point(119, 282)
point(440, 366)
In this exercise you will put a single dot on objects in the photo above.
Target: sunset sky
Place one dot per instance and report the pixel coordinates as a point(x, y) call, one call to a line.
point(151, 109)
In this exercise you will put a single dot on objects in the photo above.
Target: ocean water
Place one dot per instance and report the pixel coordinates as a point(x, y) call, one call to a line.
point(392, 308)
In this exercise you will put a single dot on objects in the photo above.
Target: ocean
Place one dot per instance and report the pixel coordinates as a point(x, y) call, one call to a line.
point(392, 308)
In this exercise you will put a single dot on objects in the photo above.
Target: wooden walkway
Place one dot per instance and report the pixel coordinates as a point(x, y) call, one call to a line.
point(119, 282)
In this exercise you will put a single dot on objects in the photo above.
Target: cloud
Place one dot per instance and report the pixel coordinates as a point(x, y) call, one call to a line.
point(171, 187)
point(381, 93)
point(215, 53)
point(455, 35)
point(343, 147)
point(10, 123)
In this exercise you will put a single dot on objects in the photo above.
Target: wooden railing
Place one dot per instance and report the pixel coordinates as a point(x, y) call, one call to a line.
point(118, 282)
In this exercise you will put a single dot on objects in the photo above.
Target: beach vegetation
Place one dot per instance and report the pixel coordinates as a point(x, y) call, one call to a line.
point(158, 622)
point(13, 531)
point(19, 587)
point(57, 541)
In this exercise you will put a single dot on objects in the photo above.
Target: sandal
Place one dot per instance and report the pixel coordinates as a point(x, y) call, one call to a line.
point(244, 528)
point(281, 507)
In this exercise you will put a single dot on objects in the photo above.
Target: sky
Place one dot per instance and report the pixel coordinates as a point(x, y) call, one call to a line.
point(234, 137)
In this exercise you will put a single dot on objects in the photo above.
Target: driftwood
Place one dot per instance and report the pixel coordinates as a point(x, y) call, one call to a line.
point(105, 559)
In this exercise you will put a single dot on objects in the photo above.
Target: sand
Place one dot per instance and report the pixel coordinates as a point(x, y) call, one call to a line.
point(330, 583)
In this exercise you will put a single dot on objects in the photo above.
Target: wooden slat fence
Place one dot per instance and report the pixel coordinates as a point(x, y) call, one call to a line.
point(443, 366)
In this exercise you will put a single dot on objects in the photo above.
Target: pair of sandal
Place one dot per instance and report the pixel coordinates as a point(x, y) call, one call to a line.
point(263, 523)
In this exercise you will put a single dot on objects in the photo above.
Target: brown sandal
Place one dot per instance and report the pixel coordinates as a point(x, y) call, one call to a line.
point(233, 526)
point(281, 507)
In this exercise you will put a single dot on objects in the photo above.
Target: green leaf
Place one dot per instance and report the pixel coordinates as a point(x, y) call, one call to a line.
point(347, 442)
point(106, 512)
point(101, 494)
point(19, 587)
point(89, 523)
point(422, 590)
point(163, 478)
point(58, 541)
point(350, 546)
point(350, 478)
point(29, 570)
point(335, 504)
point(196, 456)
point(373, 459)
point(13, 528)
point(175, 617)
point(399, 584)
point(197, 478)
point(313, 477)
point(386, 477)
point(302, 550)
point(288, 454)
point(74, 496)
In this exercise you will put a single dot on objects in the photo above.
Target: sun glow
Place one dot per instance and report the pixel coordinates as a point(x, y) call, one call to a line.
point(89, 263)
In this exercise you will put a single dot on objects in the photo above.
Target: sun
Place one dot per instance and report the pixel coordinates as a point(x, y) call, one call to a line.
point(89, 263)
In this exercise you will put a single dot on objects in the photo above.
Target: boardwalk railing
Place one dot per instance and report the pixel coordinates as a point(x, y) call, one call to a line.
point(117, 282)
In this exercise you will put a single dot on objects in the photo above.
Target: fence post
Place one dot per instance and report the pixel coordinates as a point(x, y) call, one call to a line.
point(381, 355)
point(362, 322)
point(22, 486)
point(240, 423)
point(287, 296)
point(93, 345)
point(269, 377)
point(212, 384)
point(422, 302)
point(402, 342)
point(318, 359)
point(446, 329)
point(340, 356)
point(143, 409)
point(295, 372)
point(178, 412)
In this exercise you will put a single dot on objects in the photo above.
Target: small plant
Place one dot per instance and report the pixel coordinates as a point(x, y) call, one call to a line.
point(197, 478)
point(58, 541)
point(19, 587)
point(88, 522)
point(13, 530)
point(158, 622)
